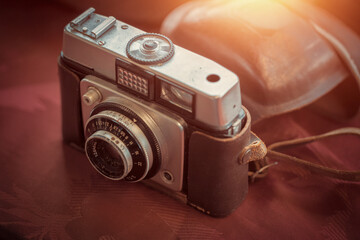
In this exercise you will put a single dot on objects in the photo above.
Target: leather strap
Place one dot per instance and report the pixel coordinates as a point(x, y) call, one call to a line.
point(314, 167)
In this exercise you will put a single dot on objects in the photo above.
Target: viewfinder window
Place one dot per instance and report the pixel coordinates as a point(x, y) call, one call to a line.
point(177, 96)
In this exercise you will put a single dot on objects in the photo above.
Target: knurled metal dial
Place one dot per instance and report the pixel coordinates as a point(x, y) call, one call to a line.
point(150, 48)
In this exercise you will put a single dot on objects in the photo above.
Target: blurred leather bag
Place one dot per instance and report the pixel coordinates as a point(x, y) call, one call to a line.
point(287, 54)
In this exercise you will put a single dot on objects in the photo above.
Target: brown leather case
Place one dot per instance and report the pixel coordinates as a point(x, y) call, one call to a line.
point(217, 183)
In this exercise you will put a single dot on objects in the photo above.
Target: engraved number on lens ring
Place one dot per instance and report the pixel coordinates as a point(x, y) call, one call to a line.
point(150, 48)
point(130, 134)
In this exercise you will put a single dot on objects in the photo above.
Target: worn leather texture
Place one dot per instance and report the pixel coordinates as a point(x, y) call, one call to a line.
point(48, 190)
point(217, 182)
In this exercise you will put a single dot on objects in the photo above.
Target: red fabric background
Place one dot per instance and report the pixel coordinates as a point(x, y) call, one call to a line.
point(49, 191)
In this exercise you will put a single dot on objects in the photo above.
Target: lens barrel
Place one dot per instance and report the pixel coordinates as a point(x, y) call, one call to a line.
point(109, 155)
point(117, 147)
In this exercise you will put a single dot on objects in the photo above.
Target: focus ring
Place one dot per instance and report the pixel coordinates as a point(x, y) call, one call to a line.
point(130, 134)
point(117, 145)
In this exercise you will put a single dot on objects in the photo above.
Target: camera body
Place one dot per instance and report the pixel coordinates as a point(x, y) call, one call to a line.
point(144, 109)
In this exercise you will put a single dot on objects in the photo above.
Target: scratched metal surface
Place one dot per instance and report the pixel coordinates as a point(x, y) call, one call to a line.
point(49, 191)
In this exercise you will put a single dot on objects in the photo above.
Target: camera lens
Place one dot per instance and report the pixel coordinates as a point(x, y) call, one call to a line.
point(109, 155)
point(117, 147)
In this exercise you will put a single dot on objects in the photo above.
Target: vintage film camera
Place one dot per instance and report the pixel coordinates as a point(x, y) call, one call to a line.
point(144, 109)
